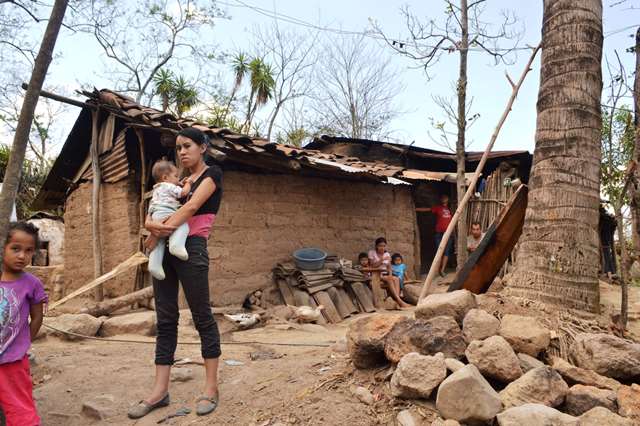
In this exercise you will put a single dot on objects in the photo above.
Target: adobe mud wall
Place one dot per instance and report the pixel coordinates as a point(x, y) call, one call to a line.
point(119, 222)
point(262, 220)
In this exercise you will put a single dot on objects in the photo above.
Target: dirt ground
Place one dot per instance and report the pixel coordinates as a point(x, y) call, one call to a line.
point(288, 385)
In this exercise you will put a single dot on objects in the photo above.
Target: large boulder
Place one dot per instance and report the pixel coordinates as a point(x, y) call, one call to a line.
point(366, 338)
point(525, 334)
point(80, 324)
point(426, 337)
point(416, 375)
point(412, 293)
point(527, 362)
point(142, 323)
point(467, 397)
point(455, 304)
point(479, 324)
point(541, 385)
point(579, 376)
point(535, 415)
point(629, 401)
point(607, 355)
point(494, 358)
point(581, 399)
point(600, 416)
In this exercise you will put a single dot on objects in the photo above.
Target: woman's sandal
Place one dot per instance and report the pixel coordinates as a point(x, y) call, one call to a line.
point(143, 408)
point(206, 405)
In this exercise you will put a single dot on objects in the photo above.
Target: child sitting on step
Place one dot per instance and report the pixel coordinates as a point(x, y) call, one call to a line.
point(165, 201)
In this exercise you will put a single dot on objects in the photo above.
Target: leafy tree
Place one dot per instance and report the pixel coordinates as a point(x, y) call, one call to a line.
point(176, 92)
point(240, 67)
point(262, 85)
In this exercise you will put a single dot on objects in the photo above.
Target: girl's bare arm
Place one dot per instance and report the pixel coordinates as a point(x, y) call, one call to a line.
point(36, 313)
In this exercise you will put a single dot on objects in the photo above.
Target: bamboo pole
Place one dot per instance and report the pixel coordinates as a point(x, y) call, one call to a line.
point(95, 205)
point(428, 282)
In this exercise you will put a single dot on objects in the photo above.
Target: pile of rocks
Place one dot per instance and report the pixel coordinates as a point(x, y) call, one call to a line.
point(481, 369)
point(74, 326)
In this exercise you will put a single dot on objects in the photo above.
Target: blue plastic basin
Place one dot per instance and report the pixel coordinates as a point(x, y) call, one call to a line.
point(310, 259)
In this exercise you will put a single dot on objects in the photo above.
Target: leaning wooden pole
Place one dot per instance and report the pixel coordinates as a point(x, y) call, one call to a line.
point(95, 205)
point(428, 282)
point(13, 170)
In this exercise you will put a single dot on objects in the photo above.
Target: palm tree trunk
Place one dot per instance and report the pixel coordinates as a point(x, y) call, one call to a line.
point(249, 105)
point(461, 256)
point(558, 257)
point(21, 137)
point(228, 106)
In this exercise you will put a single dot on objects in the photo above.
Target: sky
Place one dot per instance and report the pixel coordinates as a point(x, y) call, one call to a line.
point(82, 63)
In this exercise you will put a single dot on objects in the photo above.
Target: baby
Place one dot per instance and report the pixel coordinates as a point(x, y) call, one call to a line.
point(166, 201)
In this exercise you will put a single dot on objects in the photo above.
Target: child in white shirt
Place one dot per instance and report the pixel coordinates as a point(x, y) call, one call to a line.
point(165, 201)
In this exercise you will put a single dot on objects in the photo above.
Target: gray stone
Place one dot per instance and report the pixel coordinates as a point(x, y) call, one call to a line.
point(416, 375)
point(579, 376)
point(82, 324)
point(453, 364)
point(478, 325)
point(442, 422)
point(363, 394)
point(427, 337)
point(600, 416)
point(141, 323)
point(181, 374)
point(607, 355)
point(406, 418)
point(467, 397)
point(525, 334)
point(527, 362)
point(581, 399)
point(366, 339)
point(535, 415)
point(494, 358)
point(100, 407)
point(455, 304)
point(541, 385)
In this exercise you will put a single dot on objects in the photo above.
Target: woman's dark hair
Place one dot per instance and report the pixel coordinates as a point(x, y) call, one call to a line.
point(24, 227)
point(195, 135)
point(380, 240)
point(363, 255)
point(396, 256)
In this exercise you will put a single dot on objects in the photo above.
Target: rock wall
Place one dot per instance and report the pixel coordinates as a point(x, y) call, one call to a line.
point(262, 220)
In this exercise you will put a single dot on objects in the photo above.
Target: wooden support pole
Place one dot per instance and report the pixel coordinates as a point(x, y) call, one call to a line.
point(95, 204)
point(428, 282)
point(376, 287)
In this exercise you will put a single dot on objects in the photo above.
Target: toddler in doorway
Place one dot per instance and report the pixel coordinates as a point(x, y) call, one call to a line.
point(399, 269)
point(165, 201)
point(22, 297)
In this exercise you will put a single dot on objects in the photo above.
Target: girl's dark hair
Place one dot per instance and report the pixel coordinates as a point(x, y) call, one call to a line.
point(396, 256)
point(380, 240)
point(24, 227)
point(195, 135)
point(363, 255)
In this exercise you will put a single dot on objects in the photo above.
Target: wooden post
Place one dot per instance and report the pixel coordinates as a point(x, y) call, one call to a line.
point(376, 287)
point(95, 205)
point(426, 288)
point(143, 179)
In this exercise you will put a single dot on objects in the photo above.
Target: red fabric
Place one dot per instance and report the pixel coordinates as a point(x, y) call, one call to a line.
point(443, 217)
point(200, 225)
point(16, 394)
